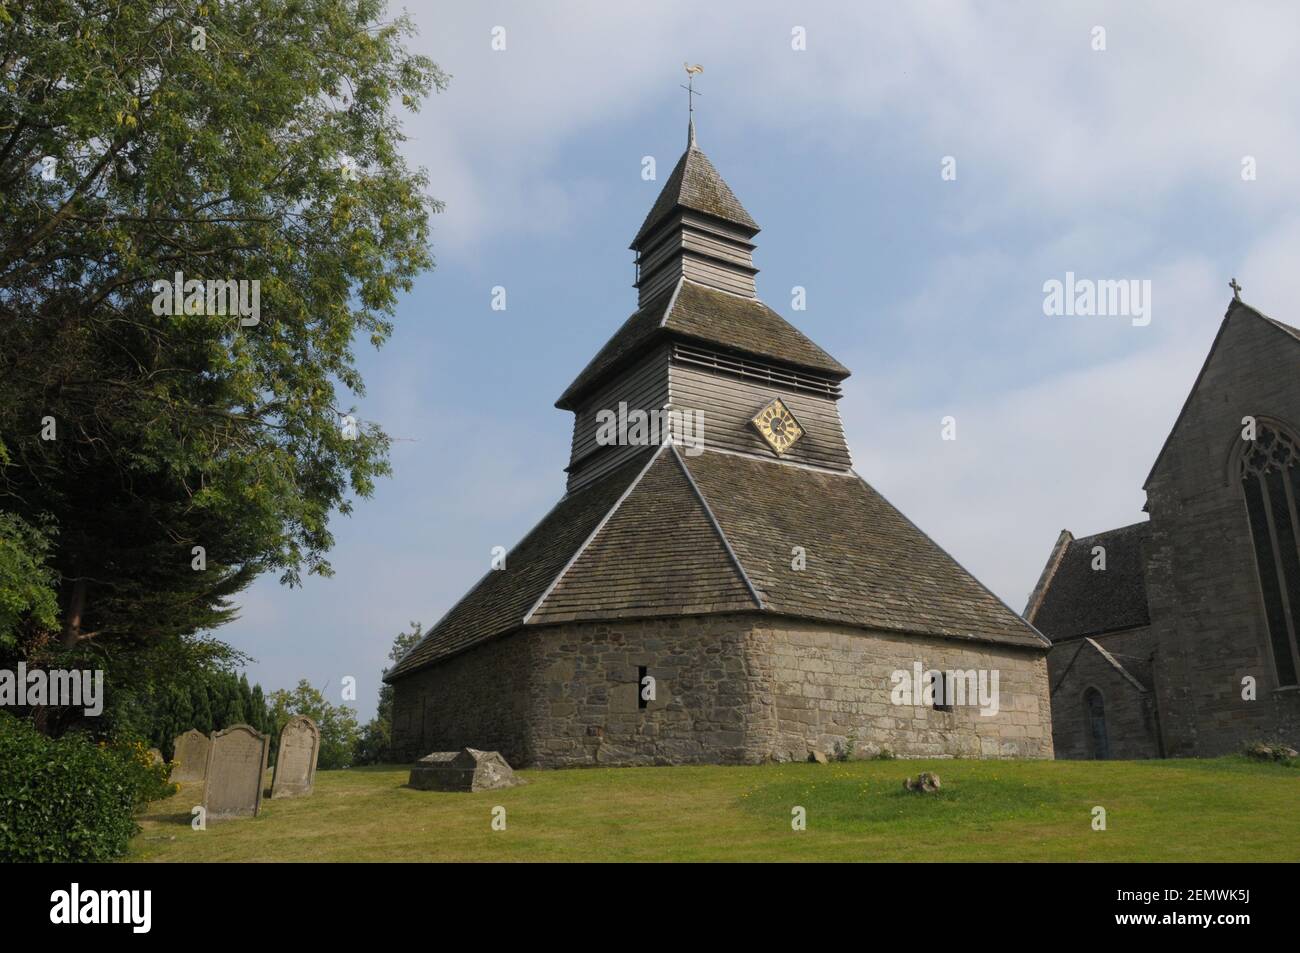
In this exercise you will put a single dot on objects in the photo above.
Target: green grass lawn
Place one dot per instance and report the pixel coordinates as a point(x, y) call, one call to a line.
point(1227, 809)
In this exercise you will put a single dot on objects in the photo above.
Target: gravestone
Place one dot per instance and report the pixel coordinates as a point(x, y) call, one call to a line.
point(236, 767)
point(190, 756)
point(155, 756)
point(464, 770)
point(295, 764)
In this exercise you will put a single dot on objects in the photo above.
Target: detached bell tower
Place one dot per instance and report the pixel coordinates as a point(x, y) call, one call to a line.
point(738, 562)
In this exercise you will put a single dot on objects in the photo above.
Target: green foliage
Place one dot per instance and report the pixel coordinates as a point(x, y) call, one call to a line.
point(27, 585)
point(222, 163)
point(337, 723)
point(149, 779)
point(1270, 751)
point(376, 737)
point(846, 749)
point(69, 799)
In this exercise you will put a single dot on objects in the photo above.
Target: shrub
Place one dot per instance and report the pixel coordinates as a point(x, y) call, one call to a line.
point(148, 778)
point(69, 799)
point(1269, 751)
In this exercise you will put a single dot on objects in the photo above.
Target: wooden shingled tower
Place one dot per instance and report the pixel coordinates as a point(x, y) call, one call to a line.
point(697, 528)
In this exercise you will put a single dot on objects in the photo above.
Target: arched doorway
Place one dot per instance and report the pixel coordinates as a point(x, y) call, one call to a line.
point(1094, 712)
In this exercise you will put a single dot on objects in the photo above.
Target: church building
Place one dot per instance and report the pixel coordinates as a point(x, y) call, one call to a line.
point(720, 587)
point(1176, 636)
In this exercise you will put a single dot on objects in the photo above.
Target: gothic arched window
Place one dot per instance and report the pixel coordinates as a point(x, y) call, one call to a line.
point(1094, 710)
point(1270, 479)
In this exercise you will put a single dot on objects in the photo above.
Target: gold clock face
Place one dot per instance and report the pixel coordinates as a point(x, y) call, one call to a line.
point(777, 426)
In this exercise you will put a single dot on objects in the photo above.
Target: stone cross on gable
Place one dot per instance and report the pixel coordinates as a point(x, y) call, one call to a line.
point(1236, 289)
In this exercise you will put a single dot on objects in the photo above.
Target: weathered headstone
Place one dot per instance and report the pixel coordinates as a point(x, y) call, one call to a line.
point(295, 764)
point(236, 767)
point(464, 770)
point(190, 756)
point(155, 756)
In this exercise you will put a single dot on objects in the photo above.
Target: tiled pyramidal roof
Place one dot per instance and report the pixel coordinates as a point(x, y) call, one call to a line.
point(669, 534)
point(1078, 600)
point(665, 533)
point(696, 312)
point(695, 184)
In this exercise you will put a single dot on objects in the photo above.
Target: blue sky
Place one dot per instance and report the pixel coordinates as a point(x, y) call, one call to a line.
point(1113, 164)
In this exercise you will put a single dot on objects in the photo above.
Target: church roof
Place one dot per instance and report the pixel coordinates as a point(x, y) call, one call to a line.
point(867, 563)
point(503, 597)
point(695, 184)
point(696, 312)
point(1137, 672)
point(668, 534)
point(1235, 307)
point(1077, 600)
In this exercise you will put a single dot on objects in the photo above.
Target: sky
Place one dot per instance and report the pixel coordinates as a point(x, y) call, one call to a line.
point(1132, 161)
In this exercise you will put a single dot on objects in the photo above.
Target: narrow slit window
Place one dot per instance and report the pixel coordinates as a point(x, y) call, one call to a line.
point(1095, 711)
point(942, 691)
point(642, 688)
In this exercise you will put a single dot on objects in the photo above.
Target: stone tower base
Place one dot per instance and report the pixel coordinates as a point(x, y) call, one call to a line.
point(729, 689)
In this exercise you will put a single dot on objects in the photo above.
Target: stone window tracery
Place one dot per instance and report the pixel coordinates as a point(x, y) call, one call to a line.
point(1270, 479)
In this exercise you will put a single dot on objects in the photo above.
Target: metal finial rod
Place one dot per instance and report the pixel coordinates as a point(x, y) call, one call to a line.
point(691, 73)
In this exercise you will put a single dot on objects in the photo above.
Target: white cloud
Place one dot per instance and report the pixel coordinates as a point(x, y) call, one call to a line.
point(1181, 93)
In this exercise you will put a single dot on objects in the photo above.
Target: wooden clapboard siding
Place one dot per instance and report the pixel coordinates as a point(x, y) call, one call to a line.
point(729, 402)
point(701, 269)
point(643, 386)
point(700, 249)
point(724, 278)
point(650, 288)
point(599, 464)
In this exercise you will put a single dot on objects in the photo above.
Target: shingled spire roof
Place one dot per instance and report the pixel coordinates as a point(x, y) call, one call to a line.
point(696, 185)
point(695, 273)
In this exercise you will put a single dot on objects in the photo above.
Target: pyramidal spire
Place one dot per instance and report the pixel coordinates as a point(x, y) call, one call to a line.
point(697, 229)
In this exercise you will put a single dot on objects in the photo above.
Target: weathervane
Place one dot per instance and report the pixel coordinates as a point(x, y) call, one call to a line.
point(691, 73)
point(1236, 289)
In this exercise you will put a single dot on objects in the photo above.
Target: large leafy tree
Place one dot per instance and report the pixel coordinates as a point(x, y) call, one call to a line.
point(244, 140)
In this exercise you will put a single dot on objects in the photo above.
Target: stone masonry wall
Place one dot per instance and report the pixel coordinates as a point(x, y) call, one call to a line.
point(1074, 667)
point(477, 699)
point(1202, 584)
point(825, 686)
point(585, 698)
point(729, 689)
